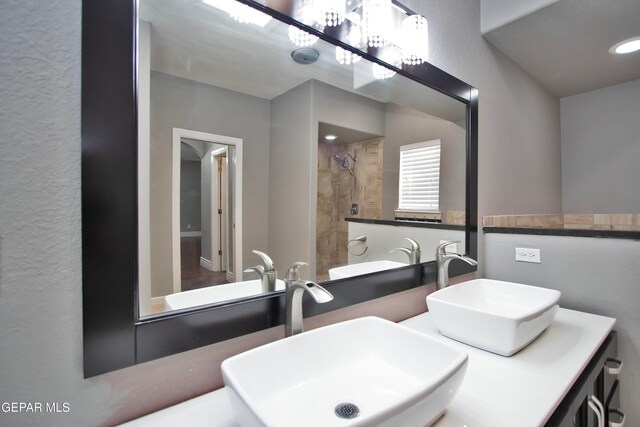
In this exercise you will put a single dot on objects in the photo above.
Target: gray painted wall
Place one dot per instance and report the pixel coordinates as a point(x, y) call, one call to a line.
point(181, 103)
point(190, 196)
point(289, 182)
point(594, 275)
point(40, 218)
point(601, 150)
point(519, 121)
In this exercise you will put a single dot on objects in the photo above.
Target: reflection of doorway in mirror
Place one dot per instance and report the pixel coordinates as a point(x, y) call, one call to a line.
point(204, 212)
point(203, 254)
point(204, 207)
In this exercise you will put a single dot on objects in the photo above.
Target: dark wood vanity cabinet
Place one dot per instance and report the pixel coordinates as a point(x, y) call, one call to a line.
point(594, 399)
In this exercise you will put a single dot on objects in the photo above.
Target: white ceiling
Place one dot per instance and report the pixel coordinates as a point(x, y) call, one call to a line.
point(192, 40)
point(565, 45)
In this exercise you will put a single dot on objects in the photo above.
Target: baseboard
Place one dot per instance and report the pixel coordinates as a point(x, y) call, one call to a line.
point(231, 277)
point(205, 263)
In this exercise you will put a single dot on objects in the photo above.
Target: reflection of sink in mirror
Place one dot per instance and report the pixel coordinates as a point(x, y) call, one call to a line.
point(500, 317)
point(214, 294)
point(378, 371)
point(363, 268)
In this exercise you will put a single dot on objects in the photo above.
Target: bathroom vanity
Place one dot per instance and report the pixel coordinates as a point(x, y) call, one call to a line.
point(547, 383)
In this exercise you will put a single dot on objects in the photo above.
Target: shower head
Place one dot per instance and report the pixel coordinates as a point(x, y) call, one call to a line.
point(344, 162)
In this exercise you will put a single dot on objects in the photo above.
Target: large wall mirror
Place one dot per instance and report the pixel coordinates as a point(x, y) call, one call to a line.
point(238, 151)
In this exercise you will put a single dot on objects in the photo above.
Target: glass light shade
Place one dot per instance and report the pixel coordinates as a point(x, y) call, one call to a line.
point(300, 37)
point(346, 57)
point(414, 39)
point(248, 15)
point(391, 56)
point(330, 12)
point(376, 14)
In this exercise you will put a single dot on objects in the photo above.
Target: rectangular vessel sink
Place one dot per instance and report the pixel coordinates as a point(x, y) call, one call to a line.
point(386, 373)
point(215, 294)
point(500, 317)
point(363, 268)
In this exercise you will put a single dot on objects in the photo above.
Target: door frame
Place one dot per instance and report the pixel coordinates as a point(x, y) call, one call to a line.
point(178, 134)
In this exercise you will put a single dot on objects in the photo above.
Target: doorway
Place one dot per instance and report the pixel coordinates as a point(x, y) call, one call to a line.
point(206, 209)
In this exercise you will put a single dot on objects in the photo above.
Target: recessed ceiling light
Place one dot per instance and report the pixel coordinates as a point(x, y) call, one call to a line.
point(626, 46)
point(330, 137)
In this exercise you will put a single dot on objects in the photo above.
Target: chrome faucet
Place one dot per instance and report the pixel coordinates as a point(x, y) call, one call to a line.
point(294, 289)
point(267, 272)
point(442, 261)
point(413, 253)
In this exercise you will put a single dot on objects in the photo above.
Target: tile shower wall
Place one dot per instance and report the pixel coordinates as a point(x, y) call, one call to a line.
point(338, 190)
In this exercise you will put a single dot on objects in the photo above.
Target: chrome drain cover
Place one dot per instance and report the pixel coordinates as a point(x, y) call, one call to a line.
point(347, 410)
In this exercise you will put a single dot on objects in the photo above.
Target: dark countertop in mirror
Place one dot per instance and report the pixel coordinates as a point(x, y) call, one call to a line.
point(403, 223)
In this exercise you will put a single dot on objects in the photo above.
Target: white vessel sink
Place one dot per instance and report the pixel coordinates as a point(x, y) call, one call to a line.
point(217, 293)
point(395, 376)
point(500, 317)
point(363, 268)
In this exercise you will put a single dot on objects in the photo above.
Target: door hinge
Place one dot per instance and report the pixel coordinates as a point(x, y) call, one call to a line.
point(220, 252)
point(219, 211)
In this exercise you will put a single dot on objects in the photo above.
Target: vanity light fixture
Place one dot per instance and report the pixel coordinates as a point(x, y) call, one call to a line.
point(626, 46)
point(300, 37)
point(330, 12)
point(240, 12)
point(390, 55)
point(414, 40)
point(375, 14)
point(366, 22)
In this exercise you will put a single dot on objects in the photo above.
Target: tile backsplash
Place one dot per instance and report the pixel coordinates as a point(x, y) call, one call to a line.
point(609, 221)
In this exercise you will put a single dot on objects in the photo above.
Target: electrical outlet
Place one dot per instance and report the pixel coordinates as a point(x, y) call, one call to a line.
point(528, 255)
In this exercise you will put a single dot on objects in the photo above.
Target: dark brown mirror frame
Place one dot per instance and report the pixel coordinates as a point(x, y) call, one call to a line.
point(114, 336)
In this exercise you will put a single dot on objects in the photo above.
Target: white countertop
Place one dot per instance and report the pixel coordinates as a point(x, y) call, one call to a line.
point(522, 390)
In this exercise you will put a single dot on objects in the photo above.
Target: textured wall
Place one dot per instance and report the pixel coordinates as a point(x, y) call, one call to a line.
point(601, 149)
point(40, 270)
point(609, 287)
point(40, 266)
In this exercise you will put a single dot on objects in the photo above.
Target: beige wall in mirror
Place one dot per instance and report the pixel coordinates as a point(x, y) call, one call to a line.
point(258, 173)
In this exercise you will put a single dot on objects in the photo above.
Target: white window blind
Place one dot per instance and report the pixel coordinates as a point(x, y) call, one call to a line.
point(419, 187)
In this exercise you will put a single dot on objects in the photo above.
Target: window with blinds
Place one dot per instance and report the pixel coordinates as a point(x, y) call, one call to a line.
point(419, 186)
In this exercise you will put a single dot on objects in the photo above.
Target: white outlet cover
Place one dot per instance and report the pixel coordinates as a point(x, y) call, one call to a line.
point(528, 255)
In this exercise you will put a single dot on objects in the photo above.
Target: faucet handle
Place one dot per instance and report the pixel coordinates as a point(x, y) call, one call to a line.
point(415, 246)
point(266, 260)
point(293, 273)
point(441, 249)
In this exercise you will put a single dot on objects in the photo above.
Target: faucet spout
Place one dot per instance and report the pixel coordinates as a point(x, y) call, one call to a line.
point(413, 253)
point(267, 272)
point(442, 261)
point(293, 295)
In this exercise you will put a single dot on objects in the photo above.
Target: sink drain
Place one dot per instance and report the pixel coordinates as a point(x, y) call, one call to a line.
point(347, 410)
